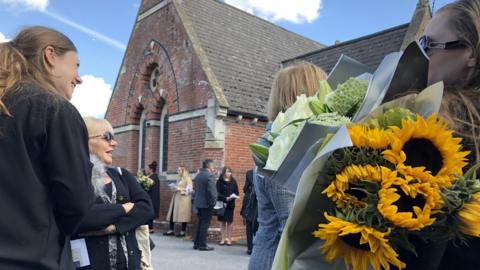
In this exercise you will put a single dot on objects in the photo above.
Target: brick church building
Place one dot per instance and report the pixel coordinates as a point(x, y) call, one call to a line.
point(195, 81)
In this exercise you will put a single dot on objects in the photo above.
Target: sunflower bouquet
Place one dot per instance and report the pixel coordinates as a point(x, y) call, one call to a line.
point(375, 204)
point(402, 179)
point(146, 182)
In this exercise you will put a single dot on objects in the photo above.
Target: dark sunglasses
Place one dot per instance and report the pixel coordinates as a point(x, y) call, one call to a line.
point(426, 44)
point(107, 136)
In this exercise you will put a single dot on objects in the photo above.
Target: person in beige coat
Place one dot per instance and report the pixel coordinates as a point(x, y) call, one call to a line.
point(180, 210)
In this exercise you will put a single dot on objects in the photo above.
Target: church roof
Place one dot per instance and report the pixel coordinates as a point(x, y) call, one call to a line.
point(369, 50)
point(239, 52)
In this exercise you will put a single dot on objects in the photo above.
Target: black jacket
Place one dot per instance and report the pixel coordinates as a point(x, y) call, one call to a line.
point(205, 190)
point(45, 186)
point(249, 206)
point(101, 215)
point(154, 194)
point(225, 189)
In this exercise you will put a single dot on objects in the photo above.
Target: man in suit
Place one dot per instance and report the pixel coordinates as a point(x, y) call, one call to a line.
point(204, 201)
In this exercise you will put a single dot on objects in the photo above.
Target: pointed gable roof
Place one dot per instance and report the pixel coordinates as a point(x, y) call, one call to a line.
point(239, 52)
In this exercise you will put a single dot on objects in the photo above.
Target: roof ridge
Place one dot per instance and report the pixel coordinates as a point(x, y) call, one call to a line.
point(350, 41)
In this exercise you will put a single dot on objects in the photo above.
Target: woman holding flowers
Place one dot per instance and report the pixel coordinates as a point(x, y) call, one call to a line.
point(405, 194)
point(451, 40)
point(180, 210)
point(274, 200)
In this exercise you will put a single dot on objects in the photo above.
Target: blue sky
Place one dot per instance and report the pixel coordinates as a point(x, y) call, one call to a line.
point(101, 29)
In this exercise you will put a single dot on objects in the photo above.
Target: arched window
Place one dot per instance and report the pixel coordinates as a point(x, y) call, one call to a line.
point(141, 141)
point(164, 141)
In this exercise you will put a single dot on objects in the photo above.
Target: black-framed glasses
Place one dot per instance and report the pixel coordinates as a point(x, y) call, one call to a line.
point(107, 136)
point(426, 44)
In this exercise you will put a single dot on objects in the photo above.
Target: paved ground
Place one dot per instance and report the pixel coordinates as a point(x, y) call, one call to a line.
point(173, 253)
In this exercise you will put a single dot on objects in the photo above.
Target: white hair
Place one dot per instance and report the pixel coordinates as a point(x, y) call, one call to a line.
point(99, 173)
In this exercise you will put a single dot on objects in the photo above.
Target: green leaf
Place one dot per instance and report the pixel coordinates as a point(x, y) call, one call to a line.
point(316, 106)
point(324, 90)
point(260, 151)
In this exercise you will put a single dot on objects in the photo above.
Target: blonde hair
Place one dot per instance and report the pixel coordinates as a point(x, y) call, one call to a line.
point(184, 175)
point(97, 126)
point(22, 60)
point(464, 20)
point(290, 82)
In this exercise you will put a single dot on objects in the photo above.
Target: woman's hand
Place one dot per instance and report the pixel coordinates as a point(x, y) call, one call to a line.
point(128, 207)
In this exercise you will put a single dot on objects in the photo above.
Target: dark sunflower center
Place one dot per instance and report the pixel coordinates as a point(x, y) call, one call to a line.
point(353, 240)
point(354, 190)
point(423, 153)
point(406, 203)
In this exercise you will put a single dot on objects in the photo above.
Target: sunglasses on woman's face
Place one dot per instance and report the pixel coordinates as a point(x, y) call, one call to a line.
point(107, 136)
point(427, 45)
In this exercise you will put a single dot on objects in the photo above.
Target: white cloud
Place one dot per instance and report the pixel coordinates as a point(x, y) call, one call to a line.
point(298, 11)
point(40, 5)
point(92, 96)
point(3, 38)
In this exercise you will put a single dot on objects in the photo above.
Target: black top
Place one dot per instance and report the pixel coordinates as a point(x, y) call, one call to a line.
point(225, 189)
point(154, 194)
point(249, 205)
point(45, 187)
point(101, 215)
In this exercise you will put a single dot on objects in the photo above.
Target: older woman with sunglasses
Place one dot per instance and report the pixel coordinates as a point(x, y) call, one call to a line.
point(121, 206)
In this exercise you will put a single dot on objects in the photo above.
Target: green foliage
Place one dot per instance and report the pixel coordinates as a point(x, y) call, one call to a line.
point(347, 97)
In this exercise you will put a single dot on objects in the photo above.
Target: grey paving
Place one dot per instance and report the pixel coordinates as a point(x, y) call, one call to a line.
point(177, 254)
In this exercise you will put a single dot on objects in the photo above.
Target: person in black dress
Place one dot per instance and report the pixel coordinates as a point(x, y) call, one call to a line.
point(45, 171)
point(154, 192)
point(227, 190)
point(120, 207)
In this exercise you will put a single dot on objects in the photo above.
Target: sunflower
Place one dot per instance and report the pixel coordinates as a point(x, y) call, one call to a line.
point(358, 245)
point(345, 189)
point(409, 205)
point(469, 217)
point(427, 149)
point(365, 137)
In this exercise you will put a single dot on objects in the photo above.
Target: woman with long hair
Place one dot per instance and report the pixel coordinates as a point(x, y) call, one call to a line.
point(227, 190)
point(180, 210)
point(121, 206)
point(45, 188)
point(451, 41)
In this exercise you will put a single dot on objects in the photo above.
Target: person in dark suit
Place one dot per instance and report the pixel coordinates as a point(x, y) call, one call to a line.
point(249, 210)
point(45, 171)
point(154, 192)
point(204, 201)
point(120, 207)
